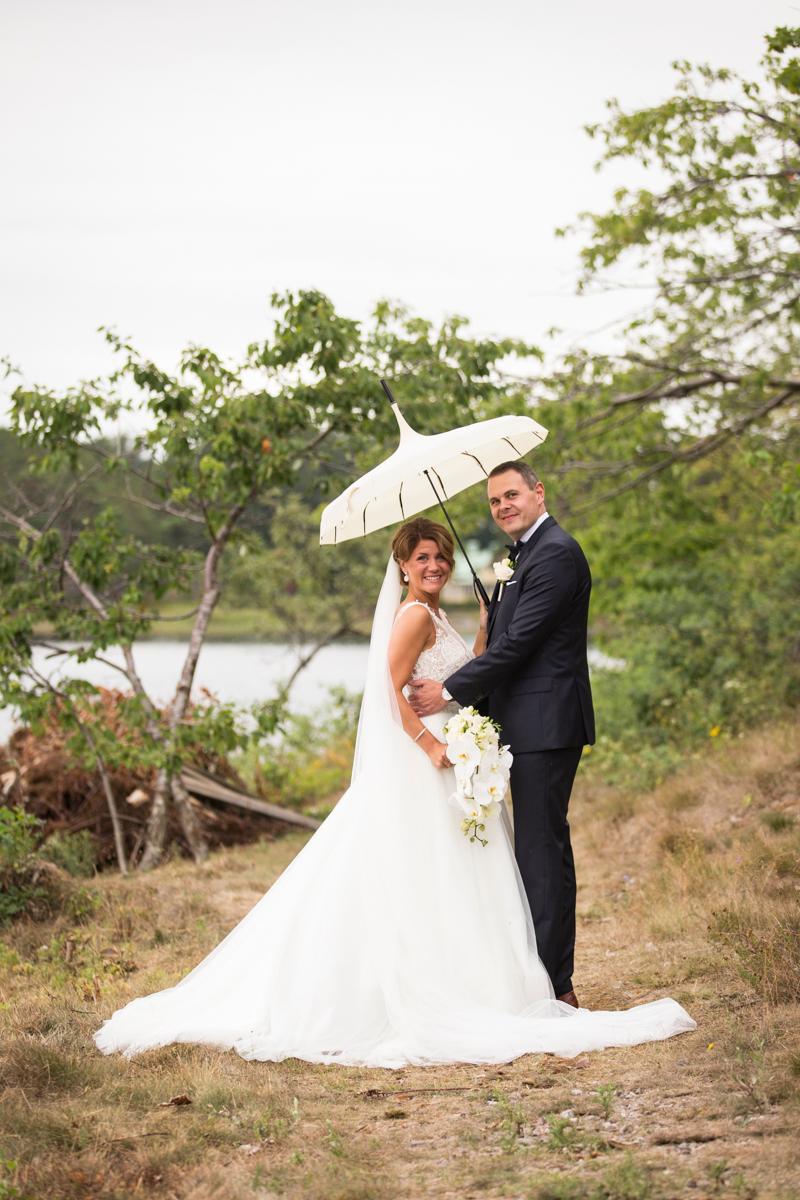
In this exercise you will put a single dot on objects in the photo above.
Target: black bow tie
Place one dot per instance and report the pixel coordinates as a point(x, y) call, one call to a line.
point(513, 550)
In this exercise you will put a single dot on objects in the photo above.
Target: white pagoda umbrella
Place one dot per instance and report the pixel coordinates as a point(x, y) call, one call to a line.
point(426, 469)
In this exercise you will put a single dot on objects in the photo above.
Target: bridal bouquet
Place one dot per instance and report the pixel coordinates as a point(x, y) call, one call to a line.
point(482, 768)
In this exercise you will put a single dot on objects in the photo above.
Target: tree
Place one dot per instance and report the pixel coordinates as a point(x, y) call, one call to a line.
point(217, 443)
point(675, 455)
point(717, 240)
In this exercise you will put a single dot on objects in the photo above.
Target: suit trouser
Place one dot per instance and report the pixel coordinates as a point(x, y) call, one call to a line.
point(541, 783)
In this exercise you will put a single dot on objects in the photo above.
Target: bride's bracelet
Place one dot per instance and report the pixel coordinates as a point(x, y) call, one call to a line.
point(423, 730)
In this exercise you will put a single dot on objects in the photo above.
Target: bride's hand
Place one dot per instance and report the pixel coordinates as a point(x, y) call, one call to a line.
point(483, 623)
point(438, 755)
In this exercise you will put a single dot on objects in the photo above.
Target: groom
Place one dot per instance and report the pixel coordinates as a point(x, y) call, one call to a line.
point(535, 677)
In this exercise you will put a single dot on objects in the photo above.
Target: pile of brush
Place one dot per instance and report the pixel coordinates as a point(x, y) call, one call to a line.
point(38, 773)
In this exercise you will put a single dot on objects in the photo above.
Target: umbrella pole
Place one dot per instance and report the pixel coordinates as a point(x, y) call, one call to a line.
point(477, 586)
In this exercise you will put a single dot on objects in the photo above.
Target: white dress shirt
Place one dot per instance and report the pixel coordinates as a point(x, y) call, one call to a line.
point(530, 532)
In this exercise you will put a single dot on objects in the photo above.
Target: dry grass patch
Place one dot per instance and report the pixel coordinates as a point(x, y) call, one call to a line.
point(690, 891)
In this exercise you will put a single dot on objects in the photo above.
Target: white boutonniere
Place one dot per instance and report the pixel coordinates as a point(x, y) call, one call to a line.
point(503, 570)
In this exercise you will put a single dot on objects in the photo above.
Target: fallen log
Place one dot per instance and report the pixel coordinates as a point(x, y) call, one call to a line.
point(206, 786)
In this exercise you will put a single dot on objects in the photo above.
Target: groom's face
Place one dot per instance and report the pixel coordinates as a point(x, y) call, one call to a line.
point(514, 505)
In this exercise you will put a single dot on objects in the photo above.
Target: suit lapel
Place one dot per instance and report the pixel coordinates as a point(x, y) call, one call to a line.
point(524, 553)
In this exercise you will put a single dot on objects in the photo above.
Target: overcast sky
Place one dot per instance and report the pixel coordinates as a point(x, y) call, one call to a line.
point(167, 164)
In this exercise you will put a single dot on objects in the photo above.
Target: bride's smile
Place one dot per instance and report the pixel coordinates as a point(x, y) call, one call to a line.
point(427, 571)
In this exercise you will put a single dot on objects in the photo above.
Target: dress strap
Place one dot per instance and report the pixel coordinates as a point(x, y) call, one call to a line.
point(411, 604)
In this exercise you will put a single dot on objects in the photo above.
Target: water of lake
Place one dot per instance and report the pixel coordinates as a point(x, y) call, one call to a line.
point(241, 672)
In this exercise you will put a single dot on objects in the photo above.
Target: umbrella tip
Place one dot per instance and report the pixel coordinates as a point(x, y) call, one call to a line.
point(405, 428)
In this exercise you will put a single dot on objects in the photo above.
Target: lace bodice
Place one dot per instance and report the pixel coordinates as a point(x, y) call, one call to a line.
point(446, 655)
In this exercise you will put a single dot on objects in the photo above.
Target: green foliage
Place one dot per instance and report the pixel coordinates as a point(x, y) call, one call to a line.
point(18, 840)
point(701, 604)
point(313, 592)
point(562, 1132)
point(625, 1180)
point(334, 1140)
point(512, 1120)
point(8, 1189)
point(27, 884)
point(606, 1094)
point(278, 1120)
point(73, 852)
point(675, 460)
point(309, 760)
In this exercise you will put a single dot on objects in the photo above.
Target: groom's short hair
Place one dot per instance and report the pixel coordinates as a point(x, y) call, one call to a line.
point(522, 468)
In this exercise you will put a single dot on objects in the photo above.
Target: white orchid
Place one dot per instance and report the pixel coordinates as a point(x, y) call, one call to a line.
point(481, 767)
point(489, 788)
point(465, 755)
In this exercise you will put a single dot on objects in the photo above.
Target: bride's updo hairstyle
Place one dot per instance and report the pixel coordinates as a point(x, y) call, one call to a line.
point(420, 529)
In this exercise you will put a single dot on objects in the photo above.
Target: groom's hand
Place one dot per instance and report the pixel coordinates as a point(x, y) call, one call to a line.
point(426, 697)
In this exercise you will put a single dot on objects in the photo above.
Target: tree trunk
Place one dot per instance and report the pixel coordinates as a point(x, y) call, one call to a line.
point(211, 592)
point(156, 836)
point(190, 825)
point(166, 787)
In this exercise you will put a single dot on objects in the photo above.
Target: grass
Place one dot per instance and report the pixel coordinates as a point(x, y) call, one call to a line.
point(689, 891)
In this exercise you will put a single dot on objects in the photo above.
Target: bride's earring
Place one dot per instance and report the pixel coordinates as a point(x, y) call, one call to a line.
point(405, 579)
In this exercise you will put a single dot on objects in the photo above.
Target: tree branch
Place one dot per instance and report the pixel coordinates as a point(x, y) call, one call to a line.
point(305, 659)
point(68, 497)
point(699, 449)
point(96, 604)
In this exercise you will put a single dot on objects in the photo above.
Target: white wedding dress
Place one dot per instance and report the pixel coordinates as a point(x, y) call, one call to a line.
point(390, 939)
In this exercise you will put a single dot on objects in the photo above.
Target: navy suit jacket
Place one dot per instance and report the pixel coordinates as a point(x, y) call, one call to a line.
point(533, 678)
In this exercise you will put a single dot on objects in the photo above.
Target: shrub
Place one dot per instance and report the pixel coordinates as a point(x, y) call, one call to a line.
point(18, 888)
point(17, 838)
point(29, 883)
point(73, 852)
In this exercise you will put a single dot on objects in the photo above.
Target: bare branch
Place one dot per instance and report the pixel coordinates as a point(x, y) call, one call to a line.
point(96, 604)
point(68, 497)
point(698, 449)
point(315, 441)
point(163, 506)
point(305, 659)
point(61, 651)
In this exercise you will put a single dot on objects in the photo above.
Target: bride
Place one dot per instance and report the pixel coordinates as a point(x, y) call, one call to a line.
point(390, 939)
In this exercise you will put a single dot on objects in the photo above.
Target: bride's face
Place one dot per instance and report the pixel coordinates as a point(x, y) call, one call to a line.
point(427, 569)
